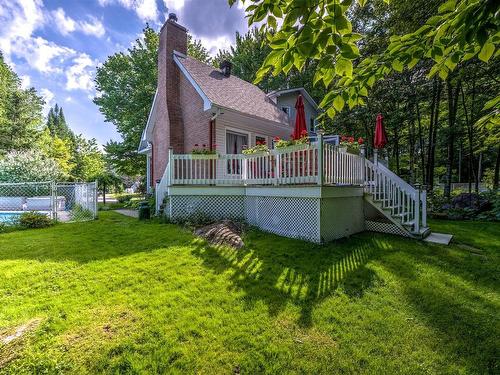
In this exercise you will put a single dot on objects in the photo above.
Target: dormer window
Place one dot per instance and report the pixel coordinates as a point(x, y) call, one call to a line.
point(286, 109)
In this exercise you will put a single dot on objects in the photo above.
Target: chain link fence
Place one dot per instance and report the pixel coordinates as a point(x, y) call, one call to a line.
point(61, 201)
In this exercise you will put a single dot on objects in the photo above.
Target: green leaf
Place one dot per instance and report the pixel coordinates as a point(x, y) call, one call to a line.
point(486, 51)
point(363, 91)
point(443, 73)
point(397, 66)
point(343, 67)
point(330, 112)
point(338, 103)
point(449, 6)
point(412, 63)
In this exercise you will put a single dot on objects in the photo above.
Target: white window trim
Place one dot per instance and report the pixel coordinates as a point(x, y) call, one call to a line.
point(288, 108)
point(238, 131)
point(260, 136)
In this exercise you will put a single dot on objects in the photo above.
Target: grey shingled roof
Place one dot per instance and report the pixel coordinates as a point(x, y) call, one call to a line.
point(232, 92)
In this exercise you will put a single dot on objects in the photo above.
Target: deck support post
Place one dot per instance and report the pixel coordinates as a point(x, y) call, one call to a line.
point(170, 166)
point(321, 158)
point(362, 153)
point(417, 208)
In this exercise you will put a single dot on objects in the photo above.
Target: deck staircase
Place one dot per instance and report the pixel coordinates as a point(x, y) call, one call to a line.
point(400, 204)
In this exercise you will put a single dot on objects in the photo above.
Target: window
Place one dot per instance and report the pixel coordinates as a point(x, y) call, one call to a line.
point(286, 109)
point(235, 142)
point(312, 124)
point(260, 140)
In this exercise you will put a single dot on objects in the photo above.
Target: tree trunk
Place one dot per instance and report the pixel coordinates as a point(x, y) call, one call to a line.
point(452, 115)
point(436, 99)
point(496, 177)
point(421, 142)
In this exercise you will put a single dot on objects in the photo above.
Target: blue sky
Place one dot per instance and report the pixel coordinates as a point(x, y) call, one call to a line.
point(55, 45)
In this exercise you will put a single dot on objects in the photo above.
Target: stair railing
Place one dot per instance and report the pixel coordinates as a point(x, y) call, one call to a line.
point(392, 192)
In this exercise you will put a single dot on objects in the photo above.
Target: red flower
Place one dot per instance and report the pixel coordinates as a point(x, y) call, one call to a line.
point(351, 139)
point(196, 145)
point(204, 145)
point(360, 141)
point(277, 139)
point(343, 138)
point(304, 133)
point(258, 143)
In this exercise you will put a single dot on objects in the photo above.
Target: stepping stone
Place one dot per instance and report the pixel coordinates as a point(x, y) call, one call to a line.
point(440, 238)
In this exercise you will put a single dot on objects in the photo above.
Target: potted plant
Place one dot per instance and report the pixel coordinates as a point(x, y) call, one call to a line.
point(201, 152)
point(349, 144)
point(259, 148)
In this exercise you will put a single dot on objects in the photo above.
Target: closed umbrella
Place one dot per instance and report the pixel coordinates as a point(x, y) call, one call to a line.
point(300, 119)
point(380, 138)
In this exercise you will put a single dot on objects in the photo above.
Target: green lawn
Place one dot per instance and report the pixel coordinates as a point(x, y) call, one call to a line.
point(118, 296)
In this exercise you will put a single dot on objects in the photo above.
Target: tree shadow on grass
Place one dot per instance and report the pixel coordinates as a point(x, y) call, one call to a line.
point(460, 302)
point(278, 270)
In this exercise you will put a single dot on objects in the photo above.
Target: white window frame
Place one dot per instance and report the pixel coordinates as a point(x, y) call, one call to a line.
point(237, 131)
point(266, 138)
point(288, 111)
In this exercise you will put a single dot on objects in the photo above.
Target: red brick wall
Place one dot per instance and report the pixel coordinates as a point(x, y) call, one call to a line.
point(196, 121)
point(168, 128)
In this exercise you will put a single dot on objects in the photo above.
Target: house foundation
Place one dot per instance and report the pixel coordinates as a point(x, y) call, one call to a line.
point(312, 213)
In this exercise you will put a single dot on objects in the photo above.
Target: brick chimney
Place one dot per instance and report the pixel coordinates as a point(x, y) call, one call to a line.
point(169, 128)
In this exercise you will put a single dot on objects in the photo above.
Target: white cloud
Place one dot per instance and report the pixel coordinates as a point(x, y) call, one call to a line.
point(146, 10)
point(19, 20)
point(25, 81)
point(68, 99)
point(79, 75)
point(213, 45)
point(173, 4)
point(67, 25)
point(48, 97)
point(64, 24)
point(95, 27)
point(40, 53)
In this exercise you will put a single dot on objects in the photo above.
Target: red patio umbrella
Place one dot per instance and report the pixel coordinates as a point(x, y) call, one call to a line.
point(380, 138)
point(300, 119)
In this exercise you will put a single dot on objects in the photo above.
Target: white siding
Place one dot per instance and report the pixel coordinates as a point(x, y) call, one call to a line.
point(247, 125)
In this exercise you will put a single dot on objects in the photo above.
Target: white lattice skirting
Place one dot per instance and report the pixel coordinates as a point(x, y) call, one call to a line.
point(317, 216)
point(390, 228)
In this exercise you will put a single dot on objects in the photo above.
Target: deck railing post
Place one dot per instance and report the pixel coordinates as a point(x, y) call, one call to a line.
point(362, 153)
point(170, 166)
point(417, 208)
point(423, 198)
point(321, 158)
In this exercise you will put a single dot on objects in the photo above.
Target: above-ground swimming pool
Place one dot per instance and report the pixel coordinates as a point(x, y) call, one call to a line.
point(9, 217)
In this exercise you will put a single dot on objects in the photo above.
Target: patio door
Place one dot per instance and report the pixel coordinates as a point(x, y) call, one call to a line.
point(235, 144)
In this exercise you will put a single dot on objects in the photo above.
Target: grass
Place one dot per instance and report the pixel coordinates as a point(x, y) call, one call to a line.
point(120, 296)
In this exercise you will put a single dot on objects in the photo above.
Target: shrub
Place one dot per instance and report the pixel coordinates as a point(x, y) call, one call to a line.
point(78, 213)
point(34, 220)
point(124, 198)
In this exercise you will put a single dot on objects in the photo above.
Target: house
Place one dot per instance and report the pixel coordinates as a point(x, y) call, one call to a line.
point(285, 99)
point(197, 104)
point(315, 191)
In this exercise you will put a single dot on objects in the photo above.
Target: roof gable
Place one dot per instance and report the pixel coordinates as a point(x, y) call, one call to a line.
point(303, 91)
point(229, 92)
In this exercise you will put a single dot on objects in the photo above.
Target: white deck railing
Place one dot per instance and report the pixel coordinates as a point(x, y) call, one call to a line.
point(396, 195)
point(297, 164)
